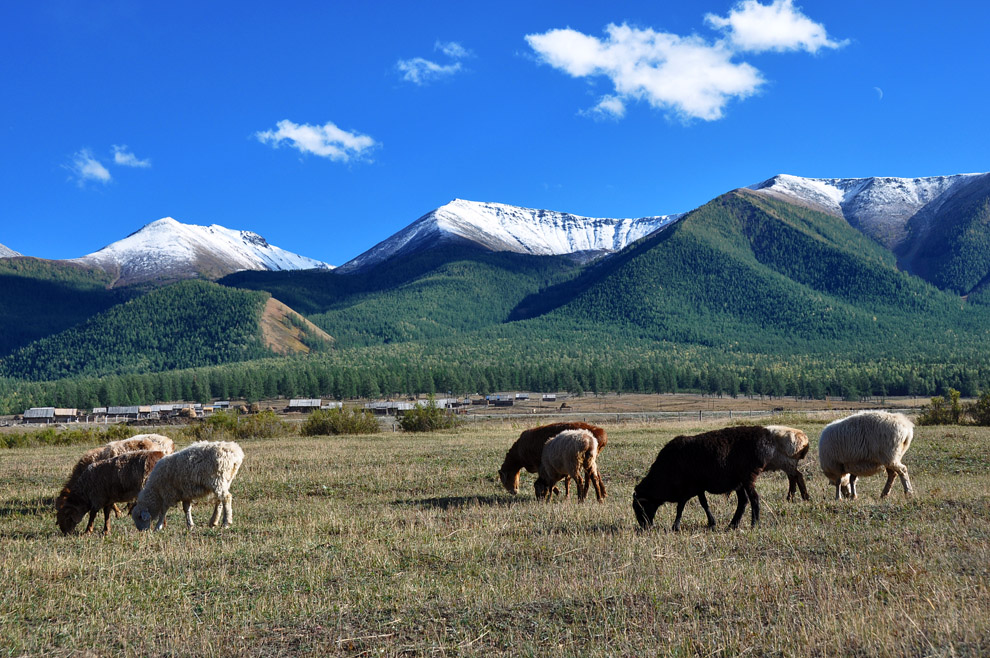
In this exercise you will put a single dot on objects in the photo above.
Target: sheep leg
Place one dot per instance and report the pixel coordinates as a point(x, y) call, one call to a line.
point(596, 479)
point(583, 486)
point(704, 505)
point(217, 508)
point(795, 480)
point(106, 517)
point(567, 487)
point(187, 508)
point(677, 517)
point(852, 486)
point(740, 508)
point(116, 511)
point(754, 501)
point(228, 510)
point(801, 485)
point(92, 520)
point(893, 471)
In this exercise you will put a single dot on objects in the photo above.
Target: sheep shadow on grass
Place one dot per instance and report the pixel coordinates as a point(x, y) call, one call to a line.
point(457, 502)
point(34, 507)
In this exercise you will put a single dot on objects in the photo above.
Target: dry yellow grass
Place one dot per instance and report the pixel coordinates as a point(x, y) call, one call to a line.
point(405, 545)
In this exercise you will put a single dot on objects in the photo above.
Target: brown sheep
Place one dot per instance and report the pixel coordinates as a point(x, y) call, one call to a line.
point(113, 449)
point(528, 449)
point(566, 455)
point(103, 483)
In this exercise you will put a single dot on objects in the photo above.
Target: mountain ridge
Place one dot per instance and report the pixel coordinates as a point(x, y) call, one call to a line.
point(168, 250)
point(502, 227)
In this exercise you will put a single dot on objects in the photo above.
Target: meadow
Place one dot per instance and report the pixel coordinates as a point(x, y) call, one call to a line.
point(405, 545)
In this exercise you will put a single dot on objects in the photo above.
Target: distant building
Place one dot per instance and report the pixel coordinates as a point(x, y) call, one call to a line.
point(304, 404)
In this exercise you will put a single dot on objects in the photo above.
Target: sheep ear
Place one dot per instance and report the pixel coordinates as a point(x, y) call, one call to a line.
point(145, 515)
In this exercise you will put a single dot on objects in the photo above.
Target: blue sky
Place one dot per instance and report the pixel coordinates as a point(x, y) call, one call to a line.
point(329, 126)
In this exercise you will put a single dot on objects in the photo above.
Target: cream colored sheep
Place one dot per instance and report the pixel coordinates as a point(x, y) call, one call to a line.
point(791, 447)
point(567, 454)
point(865, 444)
point(204, 468)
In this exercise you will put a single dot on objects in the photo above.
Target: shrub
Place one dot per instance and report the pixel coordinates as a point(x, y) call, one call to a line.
point(323, 422)
point(55, 437)
point(427, 418)
point(224, 425)
point(979, 411)
point(941, 411)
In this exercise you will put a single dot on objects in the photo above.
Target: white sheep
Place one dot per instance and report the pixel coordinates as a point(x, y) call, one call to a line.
point(865, 444)
point(201, 469)
point(162, 442)
point(567, 454)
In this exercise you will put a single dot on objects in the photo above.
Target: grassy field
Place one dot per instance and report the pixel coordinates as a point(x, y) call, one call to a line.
point(404, 545)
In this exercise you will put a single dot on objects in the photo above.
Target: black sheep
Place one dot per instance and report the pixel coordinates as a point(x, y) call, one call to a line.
point(718, 462)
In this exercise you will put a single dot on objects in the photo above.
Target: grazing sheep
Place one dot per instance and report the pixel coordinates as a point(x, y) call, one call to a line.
point(567, 454)
point(719, 462)
point(865, 444)
point(113, 449)
point(792, 448)
point(201, 469)
point(528, 449)
point(101, 484)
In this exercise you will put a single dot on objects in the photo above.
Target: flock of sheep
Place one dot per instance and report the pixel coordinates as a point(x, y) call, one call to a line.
point(145, 472)
point(717, 462)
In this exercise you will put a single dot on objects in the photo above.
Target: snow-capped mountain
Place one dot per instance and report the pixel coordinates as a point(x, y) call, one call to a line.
point(880, 207)
point(6, 252)
point(168, 249)
point(500, 227)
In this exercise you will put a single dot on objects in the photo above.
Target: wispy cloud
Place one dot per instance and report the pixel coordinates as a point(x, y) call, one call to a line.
point(123, 157)
point(753, 27)
point(326, 141)
point(422, 71)
point(690, 77)
point(85, 168)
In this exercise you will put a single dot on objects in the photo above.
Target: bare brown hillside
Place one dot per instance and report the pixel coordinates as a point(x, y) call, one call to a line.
point(284, 330)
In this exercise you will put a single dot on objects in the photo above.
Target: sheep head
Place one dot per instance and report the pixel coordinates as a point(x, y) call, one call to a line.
point(70, 511)
point(141, 516)
point(792, 442)
point(509, 480)
point(543, 489)
point(645, 510)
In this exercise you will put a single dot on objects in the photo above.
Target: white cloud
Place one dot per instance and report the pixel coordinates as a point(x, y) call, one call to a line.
point(84, 167)
point(690, 77)
point(125, 158)
point(326, 141)
point(685, 75)
point(453, 50)
point(609, 107)
point(753, 27)
point(422, 71)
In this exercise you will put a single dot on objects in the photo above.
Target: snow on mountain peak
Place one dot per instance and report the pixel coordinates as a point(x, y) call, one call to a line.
point(879, 207)
point(6, 252)
point(167, 248)
point(501, 227)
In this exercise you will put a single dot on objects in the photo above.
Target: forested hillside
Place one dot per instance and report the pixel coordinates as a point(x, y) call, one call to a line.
point(187, 324)
point(39, 298)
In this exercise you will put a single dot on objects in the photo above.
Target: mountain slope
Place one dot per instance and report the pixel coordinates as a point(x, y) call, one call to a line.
point(441, 291)
point(187, 324)
point(168, 250)
point(6, 252)
point(500, 227)
point(39, 298)
point(749, 272)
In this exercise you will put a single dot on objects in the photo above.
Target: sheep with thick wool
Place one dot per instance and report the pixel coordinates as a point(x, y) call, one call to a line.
point(865, 444)
point(112, 449)
point(718, 462)
point(102, 484)
point(527, 451)
point(204, 468)
point(567, 455)
point(792, 447)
